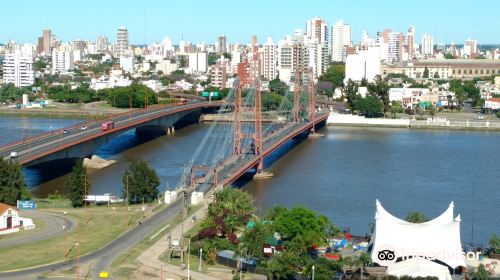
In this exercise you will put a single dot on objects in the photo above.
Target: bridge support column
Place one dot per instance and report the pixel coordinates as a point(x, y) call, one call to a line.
point(296, 95)
point(237, 121)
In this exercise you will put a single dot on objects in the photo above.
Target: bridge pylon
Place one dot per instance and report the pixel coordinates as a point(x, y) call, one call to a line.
point(311, 103)
point(237, 121)
point(296, 95)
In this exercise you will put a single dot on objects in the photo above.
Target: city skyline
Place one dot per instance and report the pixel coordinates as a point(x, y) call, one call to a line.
point(204, 22)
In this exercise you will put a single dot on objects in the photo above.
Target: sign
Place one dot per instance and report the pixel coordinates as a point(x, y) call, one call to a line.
point(204, 94)
point(26, 204)
point(103, 274)
point(215, 94)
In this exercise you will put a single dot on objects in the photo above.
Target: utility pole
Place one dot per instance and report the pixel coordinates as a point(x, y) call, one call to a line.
point(188, 256)
point(78, 253)
point(64, 228)
point(126, 199)
point(313, 273)
point(201, 252)
point(85, 196)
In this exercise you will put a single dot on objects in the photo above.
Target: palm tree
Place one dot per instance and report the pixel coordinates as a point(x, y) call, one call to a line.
point(416, 218)
point(365, 260)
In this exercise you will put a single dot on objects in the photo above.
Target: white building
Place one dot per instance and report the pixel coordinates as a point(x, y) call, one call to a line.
point(121, 41)
point(269, 63)
point(197, 63)
point(394, 44)
point(427, 45)
point(317, 30)
point(492, 104)
point(62, 61)
point(285, 59)
point(341, 39)
point(127, 63)
point(10, 220)
point(101, 43)
point(18, 70)
point(364, 65)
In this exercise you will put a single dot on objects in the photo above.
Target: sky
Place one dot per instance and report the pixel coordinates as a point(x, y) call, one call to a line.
point(203, 21)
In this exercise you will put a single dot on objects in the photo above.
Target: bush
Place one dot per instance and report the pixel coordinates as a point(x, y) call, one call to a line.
point(498, 114)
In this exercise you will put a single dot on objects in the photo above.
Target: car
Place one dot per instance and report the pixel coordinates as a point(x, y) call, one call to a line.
point(83, 127)
point(65, 131)
point(13, 154)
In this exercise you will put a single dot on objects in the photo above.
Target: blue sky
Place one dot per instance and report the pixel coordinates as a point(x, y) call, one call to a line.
point(203, 20)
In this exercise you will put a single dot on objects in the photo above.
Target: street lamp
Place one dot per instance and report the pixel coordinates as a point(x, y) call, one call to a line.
point(64, 228)
point(312, 273)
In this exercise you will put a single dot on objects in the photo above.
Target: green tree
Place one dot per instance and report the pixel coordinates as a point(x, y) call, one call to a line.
point(77, 184)
point(282, 266)
point(9, 92)
point(351, 92)
point(324, 269)
point(381, 90)
point(426, 73)
point(369, 106)
point(253, 239)
point(436, 75)
point(335, 74)
point(448, 56)
point(416, 218)
point(278, 86)
point(141, 181)
point(494, 243)
point(480, 273)
point(395, 108)
point(12, 185)
point(303, 223)
point(137, 93)
point(271, 101)
point(233, 202)
point(212, 58)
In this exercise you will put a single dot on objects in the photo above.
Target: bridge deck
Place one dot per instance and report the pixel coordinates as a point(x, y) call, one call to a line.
point(54, 141)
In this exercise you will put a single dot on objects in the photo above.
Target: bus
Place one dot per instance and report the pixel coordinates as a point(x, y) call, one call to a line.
point(107, 126)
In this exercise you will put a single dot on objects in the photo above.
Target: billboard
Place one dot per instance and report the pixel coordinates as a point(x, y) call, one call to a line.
point(26, 204)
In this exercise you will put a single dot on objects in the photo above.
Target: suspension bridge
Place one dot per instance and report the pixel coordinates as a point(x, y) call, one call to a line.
point(230, 149)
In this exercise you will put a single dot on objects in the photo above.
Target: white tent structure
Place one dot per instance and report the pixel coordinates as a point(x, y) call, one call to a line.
point(438, 239)
point(415, 267)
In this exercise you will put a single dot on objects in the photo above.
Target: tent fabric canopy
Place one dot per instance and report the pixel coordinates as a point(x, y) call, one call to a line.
point(437, 239)
point(416, 267)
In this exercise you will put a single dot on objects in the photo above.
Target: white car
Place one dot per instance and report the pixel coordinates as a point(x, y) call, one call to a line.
point(83, 127)
point(13, 154)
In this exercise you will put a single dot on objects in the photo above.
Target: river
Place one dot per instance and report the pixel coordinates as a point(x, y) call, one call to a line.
point(340, 175)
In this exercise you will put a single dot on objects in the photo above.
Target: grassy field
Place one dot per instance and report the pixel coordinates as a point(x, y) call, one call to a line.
point(102, 225)
point(124, 266)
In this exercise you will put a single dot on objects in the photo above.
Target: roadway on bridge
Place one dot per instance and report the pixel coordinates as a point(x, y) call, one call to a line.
point(43, 144)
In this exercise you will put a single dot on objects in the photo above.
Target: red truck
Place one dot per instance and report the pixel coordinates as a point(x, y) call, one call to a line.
point(107, 126)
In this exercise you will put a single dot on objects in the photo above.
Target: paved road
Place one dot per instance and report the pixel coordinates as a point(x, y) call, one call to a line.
point(54, 227)
point(104, 256)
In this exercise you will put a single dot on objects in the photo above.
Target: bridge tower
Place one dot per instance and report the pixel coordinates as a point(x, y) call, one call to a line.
point(311, 102)
point(257, 135)
point(296, 95)
point(237, 121)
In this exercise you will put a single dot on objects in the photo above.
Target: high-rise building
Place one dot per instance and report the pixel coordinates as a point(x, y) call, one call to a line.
point(394, 41)
point(427, 45)
point(197, 62)
point(101, 43)
point(410, 42)
point(62, 61)
point(222, 44)
point(18, 70)
point(121, 41)
point(45, 43)
point(341, 39)
point(285, 59)
point(269, 62)
point(317, 30)
point(470, 48)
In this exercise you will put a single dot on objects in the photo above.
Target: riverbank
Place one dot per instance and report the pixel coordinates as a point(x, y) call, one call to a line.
point(55, 113)
point(441, 123)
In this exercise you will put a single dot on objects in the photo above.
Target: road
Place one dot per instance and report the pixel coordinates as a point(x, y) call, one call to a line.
point(104, 256)
point(54, 227)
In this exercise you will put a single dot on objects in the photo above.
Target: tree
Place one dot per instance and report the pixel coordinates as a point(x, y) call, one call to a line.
point(436, 75)
point(381, 90)
point(9, 92)
point(78, 184)
point(335, 74)
point(141, 181)
point(369, 106)
point(426, 73)
point(351, 92)
point(212, 58)
point(271, 101)
point(494, 243)
point(302, 223)
point(480, 273)
point(12, 185)
point(448, 56)
point(416, 218)
point(395, 108)
point(278, 86)
point(282, 266)
point(232, 202)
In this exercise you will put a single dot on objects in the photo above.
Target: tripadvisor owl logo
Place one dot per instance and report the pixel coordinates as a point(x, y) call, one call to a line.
point(386, 255)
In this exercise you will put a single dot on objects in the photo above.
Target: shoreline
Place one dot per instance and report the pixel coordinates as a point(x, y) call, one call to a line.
point(56, 113)
point(437, 123)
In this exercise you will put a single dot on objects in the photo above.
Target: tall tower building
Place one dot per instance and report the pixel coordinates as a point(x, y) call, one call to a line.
point(394, 41)
point(470, 48)
point(427, 45)
point(222, 44)
point(269, 62)
point(317, 30)
point(18, 69)
point(410, 42)
point(101, 43)
point(121, 41)
point(341, 39)
point(45, 43)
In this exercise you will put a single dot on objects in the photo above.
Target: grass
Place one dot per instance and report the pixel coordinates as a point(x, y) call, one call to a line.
point(124, 266)
point(103, 225)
